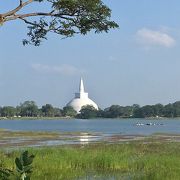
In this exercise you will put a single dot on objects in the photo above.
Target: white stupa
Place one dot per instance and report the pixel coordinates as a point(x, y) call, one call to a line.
point(81, 99)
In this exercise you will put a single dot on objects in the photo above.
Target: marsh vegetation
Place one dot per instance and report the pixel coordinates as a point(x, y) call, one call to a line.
point(153, 160)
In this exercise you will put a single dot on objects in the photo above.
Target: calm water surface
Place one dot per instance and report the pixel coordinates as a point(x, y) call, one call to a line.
point(105, 126)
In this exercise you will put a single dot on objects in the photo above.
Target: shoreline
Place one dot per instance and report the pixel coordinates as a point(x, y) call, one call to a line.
point(73, 118)
point(18, 139)
point(35, 118)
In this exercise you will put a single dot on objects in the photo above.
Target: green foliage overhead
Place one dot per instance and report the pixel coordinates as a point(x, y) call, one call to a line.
point(65, 17)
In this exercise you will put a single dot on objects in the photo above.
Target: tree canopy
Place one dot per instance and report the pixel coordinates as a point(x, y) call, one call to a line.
point(30, 109)
point(65, 17)
point(88, 112)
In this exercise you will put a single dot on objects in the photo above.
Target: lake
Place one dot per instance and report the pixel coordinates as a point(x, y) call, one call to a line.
point(105, 126)
point(81, 131)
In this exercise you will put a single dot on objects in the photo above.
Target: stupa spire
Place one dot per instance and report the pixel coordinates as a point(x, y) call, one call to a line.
point(81, 99)
point(81, 86)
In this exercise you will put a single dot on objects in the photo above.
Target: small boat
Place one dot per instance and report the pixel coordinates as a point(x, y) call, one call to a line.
point(149, 124)
point(139, 124)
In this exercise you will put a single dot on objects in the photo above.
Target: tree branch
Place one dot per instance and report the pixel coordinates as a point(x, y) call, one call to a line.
point(28, 22)
point(20, 2)
point(65, 18)
point(22, 16)
point(21, 5)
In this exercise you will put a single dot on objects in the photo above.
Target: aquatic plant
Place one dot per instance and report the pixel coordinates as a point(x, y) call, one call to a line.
point(23, 168)
point(5, 173)
point(24, 165)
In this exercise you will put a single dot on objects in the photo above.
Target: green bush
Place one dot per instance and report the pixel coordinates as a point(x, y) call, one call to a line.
point(23, 168)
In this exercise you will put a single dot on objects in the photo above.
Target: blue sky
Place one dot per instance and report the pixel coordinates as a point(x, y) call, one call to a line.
point(139, 63)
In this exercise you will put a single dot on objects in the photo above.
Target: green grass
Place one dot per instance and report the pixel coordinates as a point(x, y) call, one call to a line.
point(102, 161)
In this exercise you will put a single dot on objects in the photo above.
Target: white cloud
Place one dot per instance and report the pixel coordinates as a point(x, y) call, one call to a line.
point(64, 69)
point(150, 37)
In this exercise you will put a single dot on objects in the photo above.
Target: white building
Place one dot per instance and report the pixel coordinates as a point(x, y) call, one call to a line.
point(81, 99)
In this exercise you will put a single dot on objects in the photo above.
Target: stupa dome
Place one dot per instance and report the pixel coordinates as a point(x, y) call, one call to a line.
point(81, 99)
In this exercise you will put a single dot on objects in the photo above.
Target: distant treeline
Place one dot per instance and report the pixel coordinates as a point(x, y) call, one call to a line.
point(30, 109)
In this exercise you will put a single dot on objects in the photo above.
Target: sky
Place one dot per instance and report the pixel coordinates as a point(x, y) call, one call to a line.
point(138, 63)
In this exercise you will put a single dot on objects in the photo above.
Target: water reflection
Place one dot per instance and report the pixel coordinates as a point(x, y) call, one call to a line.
point(84, 138)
